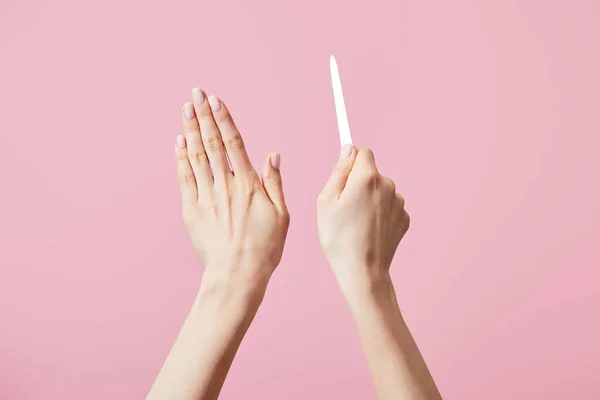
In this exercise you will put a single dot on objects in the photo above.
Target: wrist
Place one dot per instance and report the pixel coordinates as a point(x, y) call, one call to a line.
point(240, 279)
point(229, 292)
point(363, 280)
point(368, 289)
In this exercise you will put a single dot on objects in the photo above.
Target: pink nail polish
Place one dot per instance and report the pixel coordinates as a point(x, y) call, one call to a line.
point(275, 160)
point(180, 142)
point(198, 96)
point(188, 111)
point(214, 102)
point(346, 151)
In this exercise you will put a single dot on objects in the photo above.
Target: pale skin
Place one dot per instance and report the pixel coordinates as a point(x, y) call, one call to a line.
point(361, 221)
point(238, 223)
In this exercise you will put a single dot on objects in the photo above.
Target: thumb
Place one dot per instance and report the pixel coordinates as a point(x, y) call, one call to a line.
point(272, 183)
point(339, 176)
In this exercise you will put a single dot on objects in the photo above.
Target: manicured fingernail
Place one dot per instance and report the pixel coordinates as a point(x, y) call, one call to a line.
point(180, 142)
point(188, 111)
point(198, 95)
point(275, 160)
point(214, 102)
point(346, 151)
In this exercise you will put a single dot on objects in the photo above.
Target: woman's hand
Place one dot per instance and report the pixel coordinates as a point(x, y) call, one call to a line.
point(361, 222)
point(238, 226)
point(236, 223)
point(361, 219)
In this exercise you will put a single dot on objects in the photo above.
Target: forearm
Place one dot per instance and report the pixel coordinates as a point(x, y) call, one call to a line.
point(397, 367)
point(204, 350)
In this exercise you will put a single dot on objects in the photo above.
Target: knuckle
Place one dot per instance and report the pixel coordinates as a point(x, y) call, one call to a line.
point(198, 157)
point(186, 178)
point(234, 143)
point(344, 168)
point(366, 152)
point(181, 156)
point(366, 155)
point(286, 218)
point(401, 200)
point(389, 183)
point(208, 207)
point(371, 179)
point(224, 117)
point(366, 158)
point(212, 143)
point(252, 177)
point(249, 188)
point(275, 178)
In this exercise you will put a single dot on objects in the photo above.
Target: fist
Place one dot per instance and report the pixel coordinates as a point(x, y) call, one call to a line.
point(361, 219)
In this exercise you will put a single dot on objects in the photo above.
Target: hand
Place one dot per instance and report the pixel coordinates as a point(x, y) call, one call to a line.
point(361, 219)
point(237, 224)
point(361, 222)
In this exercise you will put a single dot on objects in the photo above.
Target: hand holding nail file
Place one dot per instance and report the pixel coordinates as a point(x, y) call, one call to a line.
point(340, 107)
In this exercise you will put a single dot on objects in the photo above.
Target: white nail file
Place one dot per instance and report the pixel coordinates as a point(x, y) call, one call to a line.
point(340, 107)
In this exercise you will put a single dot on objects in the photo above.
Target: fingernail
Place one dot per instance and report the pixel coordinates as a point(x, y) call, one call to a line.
point(198, 95)
point(346, 151)
point(275, 160)
point(214, 102)
point(180, 142)
point(188, 111)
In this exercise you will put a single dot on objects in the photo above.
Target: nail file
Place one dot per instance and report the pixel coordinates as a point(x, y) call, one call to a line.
point(340, 107)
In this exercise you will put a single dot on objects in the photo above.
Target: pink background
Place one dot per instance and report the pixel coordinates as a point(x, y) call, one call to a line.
point(485, 115)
